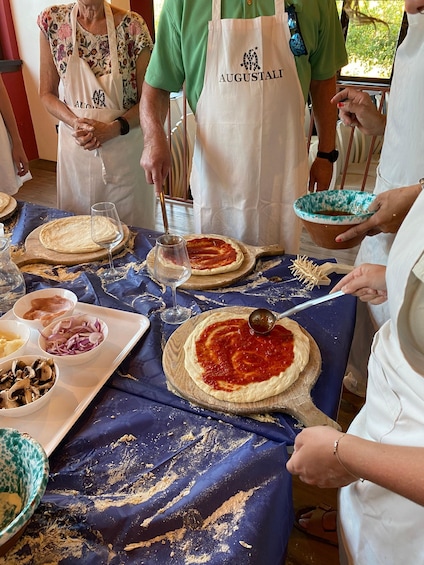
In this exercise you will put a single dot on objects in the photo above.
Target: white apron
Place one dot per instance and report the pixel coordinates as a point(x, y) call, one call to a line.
point(379, 526)
point(250, 161)
point(402, 155)
point(10, 181)
point(113, 172)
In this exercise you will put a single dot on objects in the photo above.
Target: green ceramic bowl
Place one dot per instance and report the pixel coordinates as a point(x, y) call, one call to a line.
point(24, 472)
point(328, 213)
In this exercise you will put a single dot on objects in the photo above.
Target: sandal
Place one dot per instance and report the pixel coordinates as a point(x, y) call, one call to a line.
point(315, 526)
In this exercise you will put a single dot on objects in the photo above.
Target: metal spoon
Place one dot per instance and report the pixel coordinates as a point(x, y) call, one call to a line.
point(262, 320)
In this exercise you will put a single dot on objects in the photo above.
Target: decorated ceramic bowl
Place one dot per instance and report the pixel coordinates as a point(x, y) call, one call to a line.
point(24, 472)
point(328, 213)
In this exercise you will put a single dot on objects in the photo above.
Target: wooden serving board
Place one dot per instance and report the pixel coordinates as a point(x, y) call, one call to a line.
point(204, 282)
point(35, 252)
point(10, 209)
point(296, 400)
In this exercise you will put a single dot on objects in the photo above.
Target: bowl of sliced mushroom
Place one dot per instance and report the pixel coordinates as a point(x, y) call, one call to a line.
point(26, 384)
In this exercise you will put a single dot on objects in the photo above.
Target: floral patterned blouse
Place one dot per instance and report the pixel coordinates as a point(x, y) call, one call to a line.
point(132, 37)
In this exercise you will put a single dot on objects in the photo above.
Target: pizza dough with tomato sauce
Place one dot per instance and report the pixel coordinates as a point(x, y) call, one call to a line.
point(213, 254)
point(229, 362)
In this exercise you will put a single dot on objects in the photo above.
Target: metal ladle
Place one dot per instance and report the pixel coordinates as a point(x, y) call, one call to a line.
point(262, 320)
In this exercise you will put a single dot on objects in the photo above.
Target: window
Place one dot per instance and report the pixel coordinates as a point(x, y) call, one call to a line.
point(372, 47)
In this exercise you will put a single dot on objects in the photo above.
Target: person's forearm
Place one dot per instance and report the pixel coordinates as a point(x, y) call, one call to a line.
point(325, 113)
point(154, 106)
point(58, 109)
point(6, 111)
point(396, 468)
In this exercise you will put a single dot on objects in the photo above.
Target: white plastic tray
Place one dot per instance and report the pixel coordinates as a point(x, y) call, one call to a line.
point(78, 384)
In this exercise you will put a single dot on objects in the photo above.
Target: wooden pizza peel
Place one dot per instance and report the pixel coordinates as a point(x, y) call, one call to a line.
point(35, 252)
point(204, 282)
point(296, 400)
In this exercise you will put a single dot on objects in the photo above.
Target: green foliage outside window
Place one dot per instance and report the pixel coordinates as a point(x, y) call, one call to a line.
point(371, 47)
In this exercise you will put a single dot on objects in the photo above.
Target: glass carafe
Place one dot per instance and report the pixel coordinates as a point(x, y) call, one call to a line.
point(12, 282)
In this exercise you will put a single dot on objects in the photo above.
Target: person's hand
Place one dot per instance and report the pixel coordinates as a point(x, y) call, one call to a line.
point(320, 175)
point(156, 160)
point(84, 134)
point(20, 159)
point(367, 282)
point(91, 134)
point(391, 208)
point(357, 109)
point(314, 461)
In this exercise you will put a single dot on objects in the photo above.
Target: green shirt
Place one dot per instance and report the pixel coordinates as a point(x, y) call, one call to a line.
point(179, 54)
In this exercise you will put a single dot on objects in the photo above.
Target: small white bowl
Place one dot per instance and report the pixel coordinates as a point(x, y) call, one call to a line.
point(26, 304)
point(24, 410)
point(76, 358)
point(11, 329)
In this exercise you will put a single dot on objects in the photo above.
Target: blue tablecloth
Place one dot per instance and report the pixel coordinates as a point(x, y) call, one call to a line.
point(147, 477)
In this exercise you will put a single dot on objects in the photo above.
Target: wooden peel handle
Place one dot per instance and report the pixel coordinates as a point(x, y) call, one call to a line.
point(309, 415)
point(265, 250)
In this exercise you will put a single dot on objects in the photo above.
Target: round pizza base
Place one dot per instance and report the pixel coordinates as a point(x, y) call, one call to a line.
point(72, 234)
point(255, 391)
point(236, 264)
point(295, 400)
point(9, 209)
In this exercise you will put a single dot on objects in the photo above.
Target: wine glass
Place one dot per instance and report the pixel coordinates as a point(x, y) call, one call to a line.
point(172, 267)
point(106, 231)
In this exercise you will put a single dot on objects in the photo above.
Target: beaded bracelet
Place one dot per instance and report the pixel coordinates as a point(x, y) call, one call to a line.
point(336, 453)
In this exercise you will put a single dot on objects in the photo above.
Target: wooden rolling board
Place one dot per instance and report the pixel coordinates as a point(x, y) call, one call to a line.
point(296, 400)
point(205, 282)
point(10, 209)
point(35, 252)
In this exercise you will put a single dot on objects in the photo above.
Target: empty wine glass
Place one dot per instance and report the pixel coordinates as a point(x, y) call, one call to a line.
point(106, 231)
point(172, 267)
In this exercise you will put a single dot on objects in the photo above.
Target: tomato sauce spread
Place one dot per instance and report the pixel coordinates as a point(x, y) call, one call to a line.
point(231, 355)
point(206, 252)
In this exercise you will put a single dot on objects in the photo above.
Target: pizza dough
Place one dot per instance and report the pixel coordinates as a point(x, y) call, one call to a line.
point(213, 254)
point(226, 360)
point(73, 234)
point(4, 201)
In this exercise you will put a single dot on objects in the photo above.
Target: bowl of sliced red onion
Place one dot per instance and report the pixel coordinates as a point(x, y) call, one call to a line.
point(73, 340)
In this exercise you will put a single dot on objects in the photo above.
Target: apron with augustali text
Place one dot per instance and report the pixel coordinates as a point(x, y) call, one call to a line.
point(112, 172)
point(250, 159)
point(401, 162)
point(379, 526)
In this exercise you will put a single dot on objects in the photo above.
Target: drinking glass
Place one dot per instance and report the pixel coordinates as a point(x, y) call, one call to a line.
point(172, 268)
point(106, 231)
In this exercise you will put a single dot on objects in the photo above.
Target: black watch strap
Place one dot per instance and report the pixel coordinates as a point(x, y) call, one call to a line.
point(125, 126)
point(332, 156)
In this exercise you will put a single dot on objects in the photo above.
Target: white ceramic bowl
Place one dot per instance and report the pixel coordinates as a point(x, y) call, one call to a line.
point(24, 472)
point(31, 407)
point(78, 357)
point(26, 303)
point(10, 329)
point(328, 213)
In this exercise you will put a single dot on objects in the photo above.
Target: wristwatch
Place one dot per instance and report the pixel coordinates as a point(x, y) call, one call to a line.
point(421, 183)
point(332, 156)
point(125, 126)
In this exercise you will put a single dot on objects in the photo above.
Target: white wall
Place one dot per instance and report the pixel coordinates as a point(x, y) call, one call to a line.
point(27, 34)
